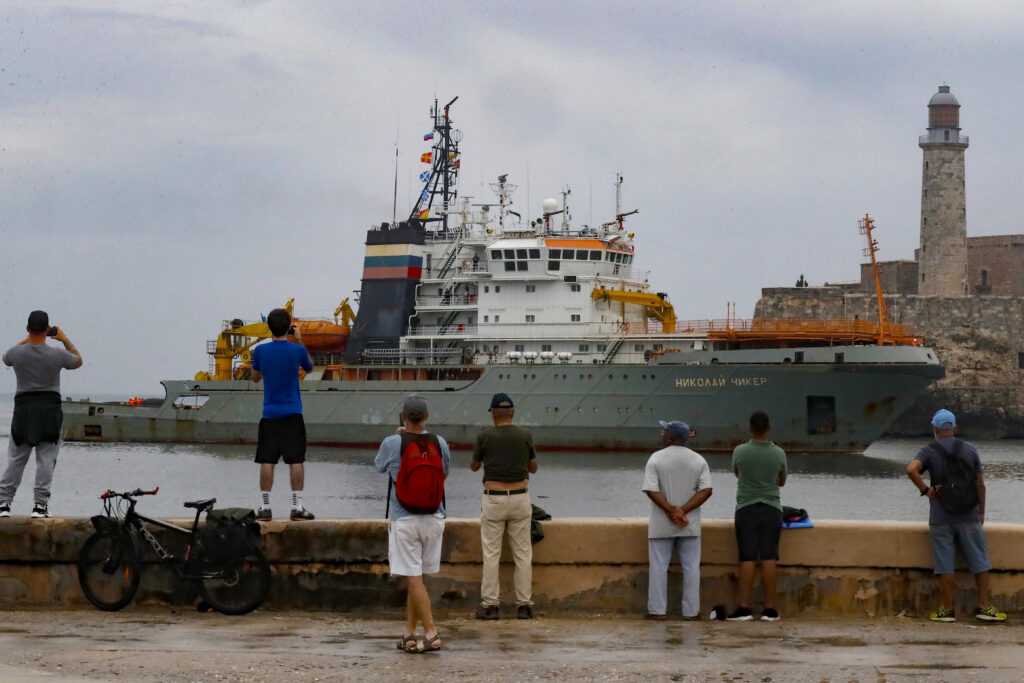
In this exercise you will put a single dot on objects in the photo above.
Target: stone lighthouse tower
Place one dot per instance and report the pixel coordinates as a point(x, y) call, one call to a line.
point(942, 258)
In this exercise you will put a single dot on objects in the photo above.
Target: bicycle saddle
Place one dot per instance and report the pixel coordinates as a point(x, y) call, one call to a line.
point(201, 504)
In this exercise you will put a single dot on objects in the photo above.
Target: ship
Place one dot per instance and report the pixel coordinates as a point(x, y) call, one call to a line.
point(462, 300)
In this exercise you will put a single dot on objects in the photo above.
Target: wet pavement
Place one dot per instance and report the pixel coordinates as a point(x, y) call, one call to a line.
point(159, 644)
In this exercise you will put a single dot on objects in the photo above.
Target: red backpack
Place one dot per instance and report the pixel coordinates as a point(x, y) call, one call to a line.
point(419, 485)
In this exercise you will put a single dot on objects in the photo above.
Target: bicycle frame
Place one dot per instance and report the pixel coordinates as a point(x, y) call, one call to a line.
point(137, 522)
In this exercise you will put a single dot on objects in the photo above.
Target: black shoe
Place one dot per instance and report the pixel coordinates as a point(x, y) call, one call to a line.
point(655, 617)
point(770, 614)
point(741, 614)
point(487, 612)
point(5, 510)
point(524, 612)
point(39, 511)
point(302, 514)
point(264, 514)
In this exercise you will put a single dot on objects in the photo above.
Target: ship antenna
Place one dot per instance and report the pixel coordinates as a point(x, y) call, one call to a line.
point(394, 201)
point(866, 226)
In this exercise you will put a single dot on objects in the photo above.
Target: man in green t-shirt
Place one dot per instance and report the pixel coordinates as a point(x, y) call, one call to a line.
point(507, 456)
point(760, 469)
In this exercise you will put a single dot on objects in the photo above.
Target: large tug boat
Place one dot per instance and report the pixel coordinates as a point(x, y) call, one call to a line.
point(462, 300)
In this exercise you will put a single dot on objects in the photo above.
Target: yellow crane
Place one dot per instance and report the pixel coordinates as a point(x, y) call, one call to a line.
point(655, 305)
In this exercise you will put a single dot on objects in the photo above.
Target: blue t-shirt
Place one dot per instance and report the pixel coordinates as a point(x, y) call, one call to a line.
point(389, 459)
point(934, 464)
point(279, 362)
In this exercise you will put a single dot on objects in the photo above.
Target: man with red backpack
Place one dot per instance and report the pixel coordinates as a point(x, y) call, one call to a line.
point(416, 463)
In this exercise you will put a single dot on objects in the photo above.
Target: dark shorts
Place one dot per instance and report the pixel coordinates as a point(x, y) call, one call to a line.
point(758, 528)
point(282, 437)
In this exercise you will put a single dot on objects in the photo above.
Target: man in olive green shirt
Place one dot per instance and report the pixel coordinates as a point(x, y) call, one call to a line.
point(506, 455)
point(760, 467)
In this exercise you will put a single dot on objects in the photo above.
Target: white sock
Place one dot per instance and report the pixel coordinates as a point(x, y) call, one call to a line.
point(296, 500)
point(264, 499)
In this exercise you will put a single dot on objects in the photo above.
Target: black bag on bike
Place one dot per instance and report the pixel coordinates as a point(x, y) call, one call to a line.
point(230, 533)
point(106, 525)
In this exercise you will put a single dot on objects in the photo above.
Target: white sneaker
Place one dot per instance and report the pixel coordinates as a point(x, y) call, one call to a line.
point(39, 511)
point(5, 510)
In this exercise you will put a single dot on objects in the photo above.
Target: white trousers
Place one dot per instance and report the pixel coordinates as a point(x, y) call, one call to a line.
point(660, 551)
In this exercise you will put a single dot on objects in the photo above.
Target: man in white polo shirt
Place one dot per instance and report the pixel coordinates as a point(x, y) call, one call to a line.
point(678, 482)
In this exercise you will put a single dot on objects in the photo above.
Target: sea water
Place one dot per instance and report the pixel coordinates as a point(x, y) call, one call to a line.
point(343, 483)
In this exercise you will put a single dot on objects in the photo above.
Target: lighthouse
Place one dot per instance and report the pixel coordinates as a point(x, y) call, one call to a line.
point(942, 257)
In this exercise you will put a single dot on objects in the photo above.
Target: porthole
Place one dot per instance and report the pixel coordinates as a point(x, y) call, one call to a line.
point(533, 376)
point(556, 409)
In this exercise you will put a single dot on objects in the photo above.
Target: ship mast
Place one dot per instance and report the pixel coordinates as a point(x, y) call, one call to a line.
point(866, 225)
point(441, 181)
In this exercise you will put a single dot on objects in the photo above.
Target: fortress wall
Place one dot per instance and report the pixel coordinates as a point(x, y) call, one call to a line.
point(978, 339)
point(583, 566)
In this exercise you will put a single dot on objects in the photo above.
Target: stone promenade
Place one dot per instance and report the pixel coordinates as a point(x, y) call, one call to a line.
point(162, 644)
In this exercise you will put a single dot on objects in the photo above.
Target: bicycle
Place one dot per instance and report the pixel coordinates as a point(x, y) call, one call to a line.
point(110, 563)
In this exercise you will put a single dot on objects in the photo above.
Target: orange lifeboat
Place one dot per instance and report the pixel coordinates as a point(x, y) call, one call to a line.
point(322, 336)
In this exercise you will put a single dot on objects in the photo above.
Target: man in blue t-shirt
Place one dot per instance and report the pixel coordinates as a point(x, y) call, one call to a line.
point(950, 530)
point(282, 431)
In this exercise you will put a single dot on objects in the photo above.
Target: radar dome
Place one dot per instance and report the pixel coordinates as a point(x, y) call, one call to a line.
point(550, 205)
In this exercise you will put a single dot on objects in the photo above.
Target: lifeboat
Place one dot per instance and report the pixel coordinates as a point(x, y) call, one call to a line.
point(322, 336)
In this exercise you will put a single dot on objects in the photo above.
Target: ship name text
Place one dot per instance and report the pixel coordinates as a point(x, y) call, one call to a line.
point(713, 382)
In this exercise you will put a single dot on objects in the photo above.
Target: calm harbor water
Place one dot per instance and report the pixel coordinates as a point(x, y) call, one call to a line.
point(342, 483)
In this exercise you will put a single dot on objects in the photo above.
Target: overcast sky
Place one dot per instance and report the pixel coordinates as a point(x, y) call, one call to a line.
point(168, 165)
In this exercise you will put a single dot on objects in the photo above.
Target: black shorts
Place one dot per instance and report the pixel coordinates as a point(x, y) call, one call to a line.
point(282, 437)
point(758, 528)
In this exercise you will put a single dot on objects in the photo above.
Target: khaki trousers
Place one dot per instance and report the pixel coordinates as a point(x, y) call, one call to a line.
point(514, 514)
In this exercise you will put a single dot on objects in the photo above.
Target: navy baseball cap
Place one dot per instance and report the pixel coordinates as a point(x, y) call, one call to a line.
point(679, 430)
point(944, 419)
point(500, 400)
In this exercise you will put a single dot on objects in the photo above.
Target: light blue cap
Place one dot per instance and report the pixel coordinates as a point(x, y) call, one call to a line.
point(679, 430)
point(944, 419)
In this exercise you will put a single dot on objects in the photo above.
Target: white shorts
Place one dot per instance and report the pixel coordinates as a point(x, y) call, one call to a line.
point(414, 544)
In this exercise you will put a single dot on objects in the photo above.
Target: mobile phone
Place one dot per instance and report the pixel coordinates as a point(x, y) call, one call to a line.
point(291, 330)
point(52, 331)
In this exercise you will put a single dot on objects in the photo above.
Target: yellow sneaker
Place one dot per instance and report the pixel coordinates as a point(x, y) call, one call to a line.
point(989, 613)
point(943, 614)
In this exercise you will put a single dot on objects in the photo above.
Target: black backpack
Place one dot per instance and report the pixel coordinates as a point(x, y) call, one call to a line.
point(958, 490)
point(229, 534)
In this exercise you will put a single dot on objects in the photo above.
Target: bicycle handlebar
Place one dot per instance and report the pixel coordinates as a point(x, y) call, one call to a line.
point(128, 494)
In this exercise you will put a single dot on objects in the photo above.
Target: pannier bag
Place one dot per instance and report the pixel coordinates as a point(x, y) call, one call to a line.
point(230, 533)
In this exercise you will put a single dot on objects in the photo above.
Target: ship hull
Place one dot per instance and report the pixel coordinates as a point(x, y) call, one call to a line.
point(828, 407)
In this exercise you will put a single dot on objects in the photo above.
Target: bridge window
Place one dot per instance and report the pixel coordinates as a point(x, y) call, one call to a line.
point(595, 255)
point(496, 254)
point(581, 254)
point(554, 253)
point(535, 253)
point(520, 253)
point(554, 265)
point(521, 265)
point(510, 265)
point(510, 254)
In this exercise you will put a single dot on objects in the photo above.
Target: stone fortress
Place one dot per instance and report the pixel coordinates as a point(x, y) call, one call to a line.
point(963, 296)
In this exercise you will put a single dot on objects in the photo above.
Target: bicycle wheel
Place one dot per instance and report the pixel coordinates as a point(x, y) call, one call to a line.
point(109, 570)
point(235, 586)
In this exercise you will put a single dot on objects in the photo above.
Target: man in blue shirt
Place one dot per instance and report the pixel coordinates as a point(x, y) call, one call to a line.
point(414, 540)
point(282, 432)
point(958, 528)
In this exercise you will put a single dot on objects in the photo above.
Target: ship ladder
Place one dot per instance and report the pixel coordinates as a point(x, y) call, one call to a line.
point(453, 253)
point(608, 357)
point(447, 322)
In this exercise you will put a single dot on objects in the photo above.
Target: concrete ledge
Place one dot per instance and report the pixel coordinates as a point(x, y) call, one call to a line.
point(585, 564)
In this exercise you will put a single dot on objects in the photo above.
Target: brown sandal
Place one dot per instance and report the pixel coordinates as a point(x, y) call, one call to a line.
point(431, 644)
point(408, 644)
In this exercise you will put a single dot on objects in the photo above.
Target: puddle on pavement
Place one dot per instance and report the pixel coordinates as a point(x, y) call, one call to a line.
point(931, 667)
point(835, 641)
point(13, 630)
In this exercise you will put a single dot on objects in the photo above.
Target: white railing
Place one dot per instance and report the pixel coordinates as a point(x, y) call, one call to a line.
point(453, 330)
point(441, 300)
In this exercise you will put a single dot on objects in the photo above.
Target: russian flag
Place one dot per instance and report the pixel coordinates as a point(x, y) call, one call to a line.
point(429, 136)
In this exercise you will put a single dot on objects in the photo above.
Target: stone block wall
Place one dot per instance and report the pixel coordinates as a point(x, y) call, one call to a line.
point(583, 566)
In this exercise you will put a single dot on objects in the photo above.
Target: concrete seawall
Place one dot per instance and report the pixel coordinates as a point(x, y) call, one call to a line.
point(584, 565)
